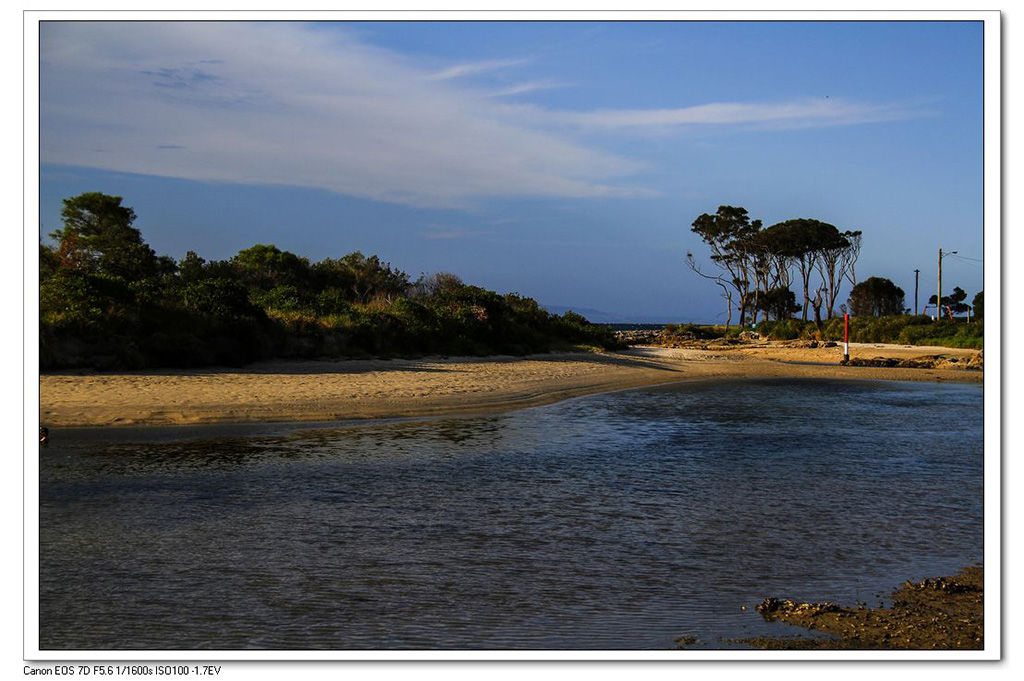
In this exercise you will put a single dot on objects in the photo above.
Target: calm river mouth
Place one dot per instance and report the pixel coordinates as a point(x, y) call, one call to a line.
point(616, 521)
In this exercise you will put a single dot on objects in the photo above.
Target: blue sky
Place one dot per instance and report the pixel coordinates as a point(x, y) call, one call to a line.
point(562, 160)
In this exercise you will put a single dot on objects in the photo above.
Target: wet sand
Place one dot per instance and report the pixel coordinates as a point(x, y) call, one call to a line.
point(357, 389)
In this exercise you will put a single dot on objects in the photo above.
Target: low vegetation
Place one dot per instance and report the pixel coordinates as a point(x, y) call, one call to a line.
point(107, 301)
point(898, 329)
point(901, 329)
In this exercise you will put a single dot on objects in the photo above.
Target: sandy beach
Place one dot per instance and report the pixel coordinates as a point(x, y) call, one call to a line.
point(379, 388)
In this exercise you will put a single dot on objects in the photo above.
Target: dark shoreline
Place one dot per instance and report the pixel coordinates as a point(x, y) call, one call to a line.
point(944, 613)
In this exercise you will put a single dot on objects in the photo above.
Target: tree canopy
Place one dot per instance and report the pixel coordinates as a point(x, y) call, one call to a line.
point(729, 233)
point(755, 261)
point(267, 266)
point(953, 304)
point(812, 245)
point(876, 297)
point(98, 238)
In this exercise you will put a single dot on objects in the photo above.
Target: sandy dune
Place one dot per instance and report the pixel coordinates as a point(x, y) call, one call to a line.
point(346, 389)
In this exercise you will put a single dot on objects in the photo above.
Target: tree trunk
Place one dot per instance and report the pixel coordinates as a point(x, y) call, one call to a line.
point(728, 306)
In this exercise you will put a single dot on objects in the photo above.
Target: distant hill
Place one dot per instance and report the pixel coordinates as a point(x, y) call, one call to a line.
point(596, 316)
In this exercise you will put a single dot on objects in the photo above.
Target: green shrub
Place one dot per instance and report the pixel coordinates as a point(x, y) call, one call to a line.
point(785, 329)
point(285, 297)
point(901, 329)
point(221, 299)
point(698, 331)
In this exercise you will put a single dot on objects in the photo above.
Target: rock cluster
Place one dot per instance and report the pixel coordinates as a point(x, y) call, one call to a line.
point(972, 363)
point(946, 584)
point(944, 613)
point(645, 337)
point(773, 608)
point(809, 344)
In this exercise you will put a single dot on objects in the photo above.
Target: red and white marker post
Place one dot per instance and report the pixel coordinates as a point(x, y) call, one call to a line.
point(846, 338)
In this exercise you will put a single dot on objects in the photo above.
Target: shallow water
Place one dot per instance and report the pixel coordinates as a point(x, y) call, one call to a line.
point(616, 521)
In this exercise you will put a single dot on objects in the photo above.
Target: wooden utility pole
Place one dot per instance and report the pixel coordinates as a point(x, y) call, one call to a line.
point(938, 300)
point(916, 273)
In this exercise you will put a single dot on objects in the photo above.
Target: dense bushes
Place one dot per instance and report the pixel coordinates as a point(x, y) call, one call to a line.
point(217, 321)
point(902, 329)
point(947, 334)
point(700, 332)
point(97, 312)
point(471, 321)
point(785, 329)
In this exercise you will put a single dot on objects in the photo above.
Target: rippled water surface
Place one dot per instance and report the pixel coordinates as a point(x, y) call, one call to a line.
point(615, 521)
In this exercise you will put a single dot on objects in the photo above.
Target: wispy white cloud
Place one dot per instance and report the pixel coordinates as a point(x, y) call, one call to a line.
point(474, 68)
point(285, 104)
point(801, 113)
point(523, 88)
point(448, 233)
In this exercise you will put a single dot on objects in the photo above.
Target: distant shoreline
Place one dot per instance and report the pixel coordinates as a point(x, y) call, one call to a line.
point(309, 391)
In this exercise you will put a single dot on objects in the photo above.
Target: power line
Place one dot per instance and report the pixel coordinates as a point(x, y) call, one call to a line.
point(968, 263)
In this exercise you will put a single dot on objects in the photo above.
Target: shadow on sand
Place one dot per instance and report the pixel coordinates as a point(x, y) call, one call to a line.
point(638, 358)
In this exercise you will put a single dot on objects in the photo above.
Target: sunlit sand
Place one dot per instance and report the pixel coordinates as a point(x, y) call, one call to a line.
point(357, 389)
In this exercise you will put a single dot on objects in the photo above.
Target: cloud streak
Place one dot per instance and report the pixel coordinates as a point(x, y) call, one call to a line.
point(281, 104)
point(523, 88)
point(449, 233)
point(475, 68)
point(284, 104)
point(803, 113)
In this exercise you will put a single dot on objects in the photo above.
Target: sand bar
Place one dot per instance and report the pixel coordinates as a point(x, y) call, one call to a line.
point(357, 389)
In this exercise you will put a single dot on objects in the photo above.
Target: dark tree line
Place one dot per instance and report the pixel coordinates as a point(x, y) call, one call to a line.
point(107, 300)
point(756, 265)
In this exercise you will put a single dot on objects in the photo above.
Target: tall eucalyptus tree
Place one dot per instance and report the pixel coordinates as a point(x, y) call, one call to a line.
point(729, 233)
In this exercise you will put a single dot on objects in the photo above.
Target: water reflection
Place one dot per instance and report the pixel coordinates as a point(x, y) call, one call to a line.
point(614, 521)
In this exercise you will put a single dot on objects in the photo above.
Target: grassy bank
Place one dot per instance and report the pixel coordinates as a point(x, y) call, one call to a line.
point(899, 329)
